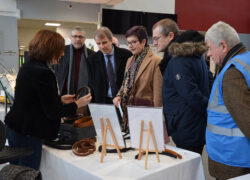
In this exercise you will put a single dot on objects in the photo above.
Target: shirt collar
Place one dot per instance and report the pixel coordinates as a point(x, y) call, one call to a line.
point(112, 52)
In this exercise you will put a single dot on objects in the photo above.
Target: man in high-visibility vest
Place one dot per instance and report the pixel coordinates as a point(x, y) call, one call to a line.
point(228, 124)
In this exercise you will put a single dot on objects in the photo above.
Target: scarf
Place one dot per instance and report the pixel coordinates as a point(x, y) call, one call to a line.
point(83, 73)
point(128, 84)
point(232, 52)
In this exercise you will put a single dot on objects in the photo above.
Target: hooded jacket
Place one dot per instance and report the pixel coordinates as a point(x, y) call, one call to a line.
point(185, 93)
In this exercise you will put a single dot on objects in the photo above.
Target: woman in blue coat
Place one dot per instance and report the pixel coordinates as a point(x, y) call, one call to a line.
point(185, 91)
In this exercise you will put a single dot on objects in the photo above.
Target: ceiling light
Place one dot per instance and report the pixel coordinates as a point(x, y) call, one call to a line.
point(52, 24)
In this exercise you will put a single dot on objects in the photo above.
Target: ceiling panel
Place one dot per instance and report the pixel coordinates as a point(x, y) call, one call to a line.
point(33, 23)
point(107, 2)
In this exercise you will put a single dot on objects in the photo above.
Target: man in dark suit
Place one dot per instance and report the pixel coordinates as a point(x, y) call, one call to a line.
point(71, 71)
point(106, 67)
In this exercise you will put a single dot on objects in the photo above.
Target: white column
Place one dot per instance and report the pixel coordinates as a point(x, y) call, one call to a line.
point(8, 35)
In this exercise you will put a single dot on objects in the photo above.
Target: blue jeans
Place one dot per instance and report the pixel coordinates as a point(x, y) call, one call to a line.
point(18, 140)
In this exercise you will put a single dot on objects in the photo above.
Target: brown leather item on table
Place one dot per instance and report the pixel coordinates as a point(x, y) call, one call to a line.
point(84, 147)
point(84, 122)
point(174, 153)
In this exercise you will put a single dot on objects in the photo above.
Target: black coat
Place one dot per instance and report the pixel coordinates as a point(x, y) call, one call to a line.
point(185, 93)
point(37, 108)
point(98, 77)
point(62, 68)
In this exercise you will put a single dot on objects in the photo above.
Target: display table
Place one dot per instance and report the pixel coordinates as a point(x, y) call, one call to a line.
point(64, 165)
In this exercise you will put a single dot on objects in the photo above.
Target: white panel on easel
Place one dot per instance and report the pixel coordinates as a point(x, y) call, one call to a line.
point(154, 114)
point(106, 111)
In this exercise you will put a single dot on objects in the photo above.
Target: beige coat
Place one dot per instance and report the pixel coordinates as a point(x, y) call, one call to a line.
point(148, 81)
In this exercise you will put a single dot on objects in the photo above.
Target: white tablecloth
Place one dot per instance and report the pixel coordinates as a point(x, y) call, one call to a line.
point(64, 165)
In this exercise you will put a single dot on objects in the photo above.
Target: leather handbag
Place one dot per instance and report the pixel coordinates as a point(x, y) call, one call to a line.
point(74, 128)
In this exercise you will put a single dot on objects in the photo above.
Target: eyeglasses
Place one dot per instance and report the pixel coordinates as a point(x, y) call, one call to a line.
point(156, 38)
point(79, 37)
point(132, 42)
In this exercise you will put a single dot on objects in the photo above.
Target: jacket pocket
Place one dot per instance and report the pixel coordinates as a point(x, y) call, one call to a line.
point(170, 117)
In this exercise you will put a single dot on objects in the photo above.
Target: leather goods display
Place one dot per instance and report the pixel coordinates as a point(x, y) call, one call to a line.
point(70, 133)
point(74, 128)
point(84, 147)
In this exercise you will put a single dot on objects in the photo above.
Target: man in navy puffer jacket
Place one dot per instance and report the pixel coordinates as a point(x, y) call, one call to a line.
point(185, 91)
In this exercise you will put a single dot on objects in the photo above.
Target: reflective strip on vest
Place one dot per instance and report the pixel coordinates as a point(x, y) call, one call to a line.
point(214, 105)
point(236, 132)
point(243, 64)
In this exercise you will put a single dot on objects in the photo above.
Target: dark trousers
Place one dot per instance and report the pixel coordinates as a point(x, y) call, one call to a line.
point(18, 140)
point(198, 149)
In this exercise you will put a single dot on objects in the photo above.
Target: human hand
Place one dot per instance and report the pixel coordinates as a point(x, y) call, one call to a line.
point(84, 101)
point(68, 98)
point(117, 101)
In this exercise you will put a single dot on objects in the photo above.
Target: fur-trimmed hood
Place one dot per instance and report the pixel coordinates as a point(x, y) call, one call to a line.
point(187, 49)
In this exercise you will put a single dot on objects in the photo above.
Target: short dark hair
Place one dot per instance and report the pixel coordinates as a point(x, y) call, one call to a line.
point(167, 25)
point(46, 45)
point(139, 31)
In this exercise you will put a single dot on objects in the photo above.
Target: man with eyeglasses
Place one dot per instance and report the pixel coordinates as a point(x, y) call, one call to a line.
point(72, 71)
point(106, 67)
point(185, 85)
point(72, 74)
point(164, 31)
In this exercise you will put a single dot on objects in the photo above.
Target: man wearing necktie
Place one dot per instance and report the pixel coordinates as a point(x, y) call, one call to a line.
point(106, 67)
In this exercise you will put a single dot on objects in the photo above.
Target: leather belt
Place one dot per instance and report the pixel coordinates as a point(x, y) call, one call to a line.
point(84, 147)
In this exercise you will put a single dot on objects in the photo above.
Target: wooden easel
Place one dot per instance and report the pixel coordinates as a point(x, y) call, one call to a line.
point(150, 132)
point(104, 130)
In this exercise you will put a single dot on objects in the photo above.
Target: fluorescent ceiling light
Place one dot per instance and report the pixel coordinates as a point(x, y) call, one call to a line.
point(21, 46)
point(52, 24)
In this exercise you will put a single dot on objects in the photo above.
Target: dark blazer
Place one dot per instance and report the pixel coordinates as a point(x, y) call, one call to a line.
point(37, 108)
point(98, 77)
point(62, 68)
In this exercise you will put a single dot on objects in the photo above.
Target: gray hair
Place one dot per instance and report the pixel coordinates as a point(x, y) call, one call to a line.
point(222, 31)
point(78, 29)
point(167, 25)
point(102, 32)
